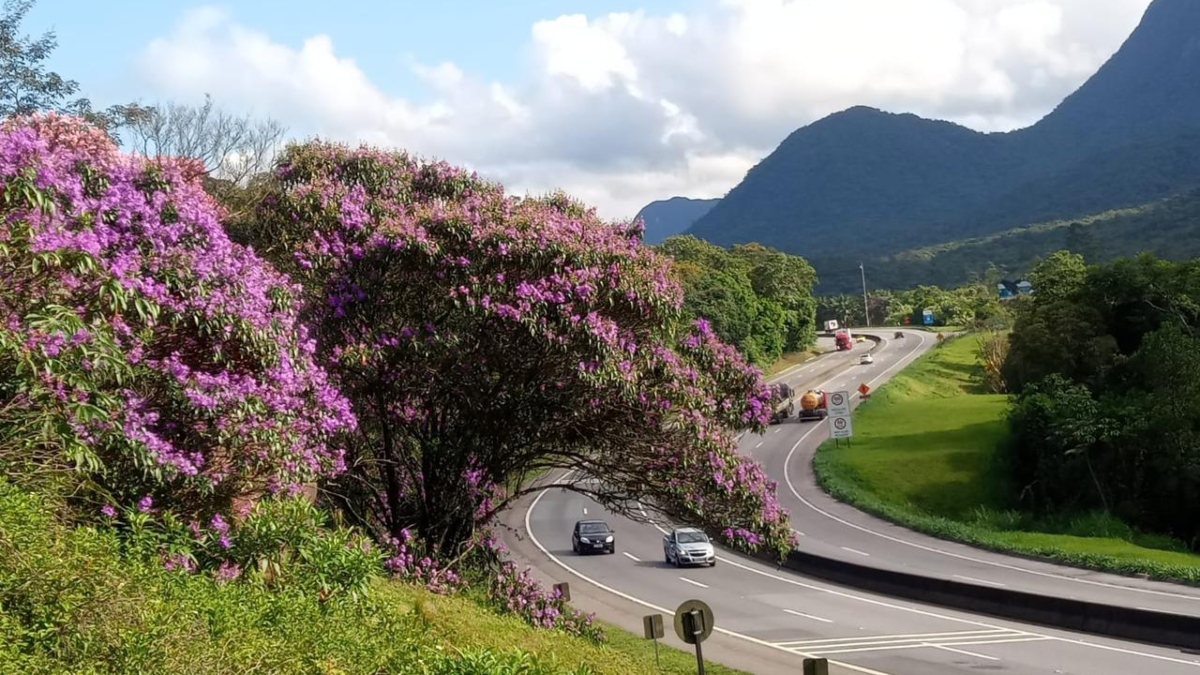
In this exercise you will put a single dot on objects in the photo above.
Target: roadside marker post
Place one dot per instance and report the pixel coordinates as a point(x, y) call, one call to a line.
point(652, 625)
point(816, 666)
point(564, 591)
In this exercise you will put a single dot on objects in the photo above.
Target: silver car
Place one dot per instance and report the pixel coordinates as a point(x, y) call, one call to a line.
point(688, 546)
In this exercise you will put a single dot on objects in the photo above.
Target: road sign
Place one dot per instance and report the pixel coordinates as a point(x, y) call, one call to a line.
point(841, 427)
point(839, 415)
point(864, 389)
point(839, 404)
point(652, 626)
point(693, 621)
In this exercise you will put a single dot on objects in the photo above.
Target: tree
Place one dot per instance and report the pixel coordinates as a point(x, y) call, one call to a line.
point(27, 87)
point(1058, 276)
point(138, 344)
point(232, 148)
point(485, 339)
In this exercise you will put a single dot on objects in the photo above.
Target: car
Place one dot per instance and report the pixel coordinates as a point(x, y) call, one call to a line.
point(591, 536)
point(688, 546)
point(865, 359)
point(899, 335)
point(860, 338)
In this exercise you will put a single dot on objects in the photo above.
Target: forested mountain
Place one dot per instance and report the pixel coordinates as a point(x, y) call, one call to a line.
point(669, 217)
point(864, 183)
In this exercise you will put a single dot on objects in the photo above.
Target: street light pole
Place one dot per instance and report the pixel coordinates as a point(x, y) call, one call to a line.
point(866, 307)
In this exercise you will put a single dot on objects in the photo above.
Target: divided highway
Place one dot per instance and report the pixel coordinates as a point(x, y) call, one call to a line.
point(769, 619)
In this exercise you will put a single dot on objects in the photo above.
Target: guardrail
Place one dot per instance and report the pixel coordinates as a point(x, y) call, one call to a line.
point(1127, 623)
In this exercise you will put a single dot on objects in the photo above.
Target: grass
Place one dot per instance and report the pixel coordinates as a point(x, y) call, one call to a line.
point(75, 599)
point(463, 622)
point(925, 455)
point(792, 359)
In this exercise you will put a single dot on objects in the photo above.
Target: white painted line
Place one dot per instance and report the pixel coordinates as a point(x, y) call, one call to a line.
point(717, 629)
point(585, 510)
point(694, 583)
point(778, 430)
point(807, 616)
point(759, 445)
point(631, 556)
point(847, 548)
point(905, 637)
point(913, 355)
point(965, 652)
point(980, 581)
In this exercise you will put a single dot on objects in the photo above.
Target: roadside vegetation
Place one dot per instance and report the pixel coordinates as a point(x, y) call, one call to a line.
point(263, 416)
point(944, 448)
point(757, 299)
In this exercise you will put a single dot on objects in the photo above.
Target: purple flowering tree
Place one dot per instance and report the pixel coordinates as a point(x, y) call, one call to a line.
point(485, 339)
point(137, 343)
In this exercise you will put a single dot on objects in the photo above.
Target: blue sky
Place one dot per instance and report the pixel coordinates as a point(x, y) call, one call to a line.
point(489, 39)
point(671, 98)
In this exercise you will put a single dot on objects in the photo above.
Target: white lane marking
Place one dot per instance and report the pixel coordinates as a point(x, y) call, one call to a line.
point(847, 548)
point(935, 615)
point(965, 652)
point(807, 616)
point(631, 556)
point(694, 583)
point(791, 486)
point(980, 581)
point(919, 645)
point(585, 510)
point(778, 430)
point(863, 640)
point(664, 610)
point(759, 445)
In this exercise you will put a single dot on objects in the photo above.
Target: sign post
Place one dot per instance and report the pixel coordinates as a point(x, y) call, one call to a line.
point(840, 425)
point(693, 625)
point(652, 624)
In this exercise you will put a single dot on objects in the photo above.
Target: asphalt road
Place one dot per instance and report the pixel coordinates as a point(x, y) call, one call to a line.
point(769, 619)
point(835, 530)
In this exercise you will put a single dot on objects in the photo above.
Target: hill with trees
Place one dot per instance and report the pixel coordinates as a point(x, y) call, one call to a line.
point(867, 183)
point(669, 217)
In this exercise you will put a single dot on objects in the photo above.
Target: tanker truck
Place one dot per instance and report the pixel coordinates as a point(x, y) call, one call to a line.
point(783, 401)
point(814, 405)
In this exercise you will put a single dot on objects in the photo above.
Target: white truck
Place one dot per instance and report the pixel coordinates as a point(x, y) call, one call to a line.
point(831, 326)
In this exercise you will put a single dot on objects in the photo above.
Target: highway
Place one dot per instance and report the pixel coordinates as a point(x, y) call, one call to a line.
point(768, 619)
point(835, 530)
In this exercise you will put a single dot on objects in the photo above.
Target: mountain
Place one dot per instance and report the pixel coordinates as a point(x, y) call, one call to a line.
point(668, 217)
point(864, 183)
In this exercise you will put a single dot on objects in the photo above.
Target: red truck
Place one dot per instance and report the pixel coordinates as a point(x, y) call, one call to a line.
point(843, 341)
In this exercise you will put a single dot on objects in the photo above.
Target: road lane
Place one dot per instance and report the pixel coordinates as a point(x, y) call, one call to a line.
point(839, 531)
point(874, 633)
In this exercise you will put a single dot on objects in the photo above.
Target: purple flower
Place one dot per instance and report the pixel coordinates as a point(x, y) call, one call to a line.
point(145, 504)
point(108, 511)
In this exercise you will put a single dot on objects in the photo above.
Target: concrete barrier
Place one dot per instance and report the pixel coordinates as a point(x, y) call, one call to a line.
point(1127, 623)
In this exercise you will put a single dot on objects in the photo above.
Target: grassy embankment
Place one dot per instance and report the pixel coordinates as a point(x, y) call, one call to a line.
point(72, 601)
point(925, 455)
point(792, 359)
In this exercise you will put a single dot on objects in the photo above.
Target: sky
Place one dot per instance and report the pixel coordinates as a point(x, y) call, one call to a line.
point(617, 102)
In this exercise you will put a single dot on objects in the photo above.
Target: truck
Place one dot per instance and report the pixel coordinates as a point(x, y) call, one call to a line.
point(843, 340)
point(814, 405)
point(783, 402)
point(831, 326)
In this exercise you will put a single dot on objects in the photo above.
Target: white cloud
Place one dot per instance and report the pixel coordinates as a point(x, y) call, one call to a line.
point(625, 108)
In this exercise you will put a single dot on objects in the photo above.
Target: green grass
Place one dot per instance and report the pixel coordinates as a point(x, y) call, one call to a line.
point(792, 359)
point(73, 600)
point(924, 455)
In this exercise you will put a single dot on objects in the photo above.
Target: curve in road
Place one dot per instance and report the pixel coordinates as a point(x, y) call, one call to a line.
point(862, 632)
point(836, 530)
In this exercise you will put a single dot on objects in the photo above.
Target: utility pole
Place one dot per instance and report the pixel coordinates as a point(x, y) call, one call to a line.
point(866, 307)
